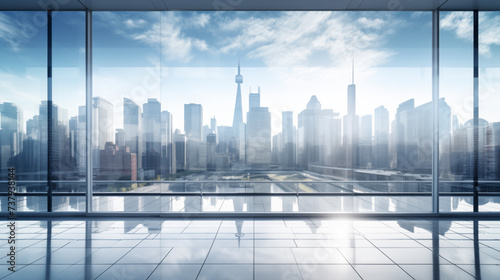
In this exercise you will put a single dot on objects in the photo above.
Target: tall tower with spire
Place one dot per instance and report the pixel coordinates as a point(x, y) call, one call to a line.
point(351, 126)
point(238, 125)
point(238, 112)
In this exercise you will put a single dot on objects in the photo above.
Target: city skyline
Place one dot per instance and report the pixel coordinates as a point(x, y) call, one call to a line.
point(149, 146)
point(388, 63)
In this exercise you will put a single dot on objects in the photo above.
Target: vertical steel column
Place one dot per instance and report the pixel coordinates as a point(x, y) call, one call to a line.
point(476, 112)
point(435, 111)
point(49, 111)
point(88, 107)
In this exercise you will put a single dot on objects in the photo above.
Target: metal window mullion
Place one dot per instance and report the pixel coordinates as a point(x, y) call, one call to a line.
point(88, 108)
point(476, 112)
point(49, 111)
point(435, 111)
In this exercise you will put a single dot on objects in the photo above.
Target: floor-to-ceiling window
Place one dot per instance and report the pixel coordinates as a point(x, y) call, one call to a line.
point(23, 103)
point(247, 111)
point(456, 87)
point(489, 101)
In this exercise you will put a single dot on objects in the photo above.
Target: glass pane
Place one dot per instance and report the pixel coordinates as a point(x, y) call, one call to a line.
point(456, 120)
point(128, 121)
point(337, 102)
point(68, 101)
point(23, 100)
point(489, 101)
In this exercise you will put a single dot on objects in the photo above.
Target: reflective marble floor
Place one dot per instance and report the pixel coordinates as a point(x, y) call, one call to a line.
point(315, 248)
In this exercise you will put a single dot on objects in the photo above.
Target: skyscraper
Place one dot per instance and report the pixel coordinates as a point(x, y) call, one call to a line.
point(254, 100)
point(238, 126)
point(316, 135)
point(213, 125)
point(258, 140)
point(351, 128)
point(11, 133)
point(288, 143)
point(381, 138)
point(102, 129)
point(365, 141)
point(193, 122)
point(238, 112)
point(103, 126)
point(151, 121)
point(132, 128)
point(167, 144)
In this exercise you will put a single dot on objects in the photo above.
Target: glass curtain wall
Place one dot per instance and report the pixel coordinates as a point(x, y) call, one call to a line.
point(322, 105)
point(247, 111)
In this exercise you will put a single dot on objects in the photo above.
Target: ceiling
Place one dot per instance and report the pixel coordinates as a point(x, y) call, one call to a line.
point(214, 5)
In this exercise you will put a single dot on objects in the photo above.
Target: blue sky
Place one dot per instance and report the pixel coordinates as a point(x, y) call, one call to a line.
point(184, 57)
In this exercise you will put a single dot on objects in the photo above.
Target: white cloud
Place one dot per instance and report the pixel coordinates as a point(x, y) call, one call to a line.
point(146, 28)
point(16, 31)
point(293, 37)
point(131, 23)
point(461, 23)
point(371, 23)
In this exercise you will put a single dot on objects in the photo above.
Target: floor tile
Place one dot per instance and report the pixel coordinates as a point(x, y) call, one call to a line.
point(425, 272)
point(226, 272)
point(318, 256)
point(186, 255)
point(127, 272)
point(365, 256)
point(230, 256)
point(176, 271)
point(274, 256)
point(381, 272)
point(277, 272)
point(321, 271)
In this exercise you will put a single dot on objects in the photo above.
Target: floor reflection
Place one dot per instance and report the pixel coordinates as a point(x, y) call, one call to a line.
point(313, 248)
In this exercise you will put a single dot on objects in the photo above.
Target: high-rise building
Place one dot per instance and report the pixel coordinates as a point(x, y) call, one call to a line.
point(81, 140)
point(276, 149)
point(405, 136)
point(287, 139)
point(102, 126)
point(193, 122)
point(132, 128)
point(167, 144)
point(381, 138)
point(211, 152)
point(238, 109)
point(238, 126)
point(258, 137)
point(151, 138)
point(11, 134)
point(318, 132)
point(365, 141)
point(413, 130)
point(57, 158)
point(180, 151)
point(213, 125)
point(254, 100)
point(351, 128)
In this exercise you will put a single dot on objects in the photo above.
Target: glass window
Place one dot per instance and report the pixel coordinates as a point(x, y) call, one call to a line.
point(322, 102)
point(489, 100)
point(456, 87)
point(23, 117)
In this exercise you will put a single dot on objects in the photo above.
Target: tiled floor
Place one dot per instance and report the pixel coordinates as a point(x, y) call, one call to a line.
point(313, 248)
